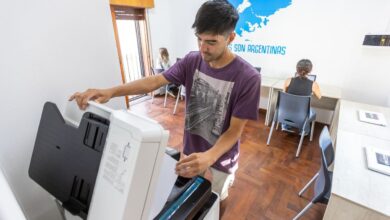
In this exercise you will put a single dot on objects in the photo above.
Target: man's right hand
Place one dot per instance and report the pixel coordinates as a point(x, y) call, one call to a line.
point(98, 95)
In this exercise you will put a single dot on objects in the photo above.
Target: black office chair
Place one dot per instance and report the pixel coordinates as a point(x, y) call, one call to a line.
point(294, 111)
point(323, 178)
point(155, 71)
point(180, 94)
point(167, 92)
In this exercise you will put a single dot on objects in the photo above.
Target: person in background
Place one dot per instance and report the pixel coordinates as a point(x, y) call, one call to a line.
point(162, 61)
point(222, 94)
point(301, 85)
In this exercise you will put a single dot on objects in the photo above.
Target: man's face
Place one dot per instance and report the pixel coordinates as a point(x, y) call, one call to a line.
point(212, 46)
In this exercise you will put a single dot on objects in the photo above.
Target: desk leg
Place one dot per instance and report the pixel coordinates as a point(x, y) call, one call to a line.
point(267, 114)
point(334, 122)
point(272, 106)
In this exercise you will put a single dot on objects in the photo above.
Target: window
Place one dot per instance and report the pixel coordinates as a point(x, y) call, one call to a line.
point(132, 43)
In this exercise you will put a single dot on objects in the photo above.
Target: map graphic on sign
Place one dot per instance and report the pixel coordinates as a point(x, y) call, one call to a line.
point(256, 14)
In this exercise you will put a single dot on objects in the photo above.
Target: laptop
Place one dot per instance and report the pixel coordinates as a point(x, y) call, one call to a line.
point(310, 76)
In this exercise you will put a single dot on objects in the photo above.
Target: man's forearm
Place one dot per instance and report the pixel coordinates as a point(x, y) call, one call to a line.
point(224, 143)
point(197, 163)
point(140, 86)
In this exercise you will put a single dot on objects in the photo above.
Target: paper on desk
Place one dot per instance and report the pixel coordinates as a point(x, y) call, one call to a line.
point(372, 117)
point(166, 181)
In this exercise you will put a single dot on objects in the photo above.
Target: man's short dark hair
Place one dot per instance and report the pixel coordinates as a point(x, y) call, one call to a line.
point(215, 17)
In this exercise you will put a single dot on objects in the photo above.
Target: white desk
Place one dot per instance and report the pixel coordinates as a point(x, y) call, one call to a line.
point(330, 96)
point(352, 179)
point(269, 82)
point(348, 120)
point(357, 192)
point(329, 91)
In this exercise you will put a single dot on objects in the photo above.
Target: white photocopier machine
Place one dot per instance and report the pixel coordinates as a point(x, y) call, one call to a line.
point(104, 164)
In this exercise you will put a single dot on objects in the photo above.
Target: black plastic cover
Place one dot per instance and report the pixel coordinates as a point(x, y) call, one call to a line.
point(66, 159)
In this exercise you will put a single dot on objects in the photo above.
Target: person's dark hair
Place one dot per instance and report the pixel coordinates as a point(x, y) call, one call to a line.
point(304, 67)
point(164, 55)
point(215, 17)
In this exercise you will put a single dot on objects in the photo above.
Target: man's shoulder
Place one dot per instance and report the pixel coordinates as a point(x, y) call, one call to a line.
point(248, 71)
point(193, 55)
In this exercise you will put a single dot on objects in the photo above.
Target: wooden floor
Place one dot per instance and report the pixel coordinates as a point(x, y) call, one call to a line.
point(269, 177)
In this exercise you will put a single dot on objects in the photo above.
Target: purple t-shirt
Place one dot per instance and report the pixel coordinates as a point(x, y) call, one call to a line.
point(213, 96)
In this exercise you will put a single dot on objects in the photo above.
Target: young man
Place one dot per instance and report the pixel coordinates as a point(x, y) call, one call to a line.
point(222, 93)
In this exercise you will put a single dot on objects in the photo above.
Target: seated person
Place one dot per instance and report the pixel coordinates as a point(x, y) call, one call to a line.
point(163, 62)
point(301, 85)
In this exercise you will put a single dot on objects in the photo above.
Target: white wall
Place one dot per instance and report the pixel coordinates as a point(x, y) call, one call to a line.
point(170, 26)
point(49, 49)
point(330, 33)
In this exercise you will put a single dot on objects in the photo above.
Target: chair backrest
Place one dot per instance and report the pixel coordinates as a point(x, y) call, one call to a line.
point(292, 109)
point(324, 182)
point(156, 70)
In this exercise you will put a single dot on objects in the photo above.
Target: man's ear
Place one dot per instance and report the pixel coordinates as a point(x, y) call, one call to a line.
point(231, 36)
